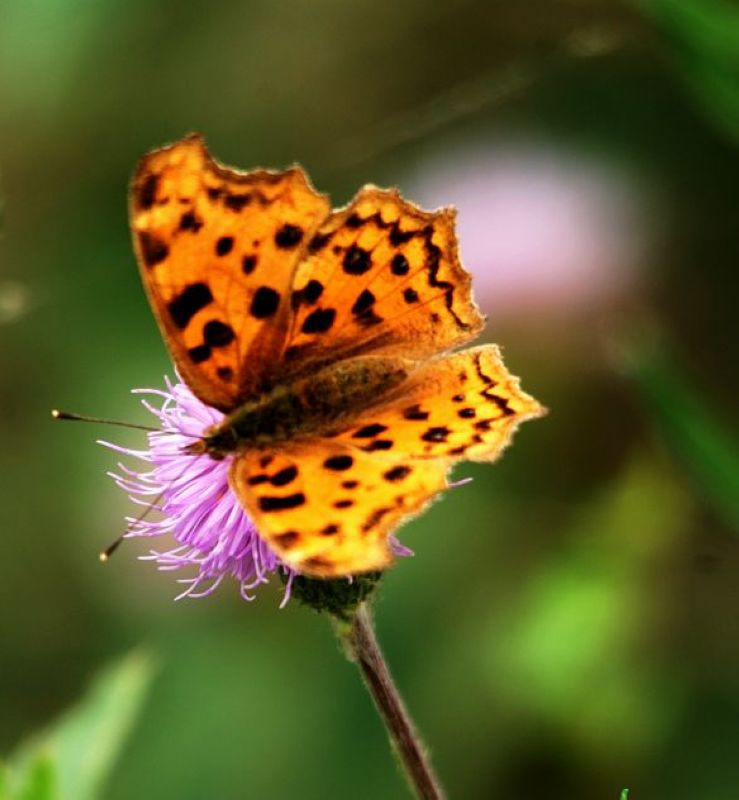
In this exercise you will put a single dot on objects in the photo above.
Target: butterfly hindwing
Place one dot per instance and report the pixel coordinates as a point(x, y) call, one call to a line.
point(327, 509)
point(217, 251)
point(460, 406)
point(381, 276)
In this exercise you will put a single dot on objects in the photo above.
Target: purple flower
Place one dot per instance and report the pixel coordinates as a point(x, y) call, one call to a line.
point(194, 503)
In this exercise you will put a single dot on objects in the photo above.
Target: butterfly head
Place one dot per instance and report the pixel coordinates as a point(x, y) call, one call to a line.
point(213, 444)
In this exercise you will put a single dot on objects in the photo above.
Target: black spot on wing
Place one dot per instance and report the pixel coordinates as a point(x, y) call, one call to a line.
point(287, 539)
point(378, 444)
point(338, 463)
point(270, 503)
point(225, 373)
point(399, 265)
point(248, 264)
point(343, 503)
point(436, 435)
point(415, 413)
point(312, 291)
point(466, 413)
point(308, 295)
point(288, 236)
point(365, 301)
point(375, 518)
point(153, 250)
point(369, 318)
point(319, 321)
point(397, 473)
point(318, 242)
point(147, 192)
point(217, 333)
point(368, 431)
point(410, 295)
point(224, 245)
point(189, 222)
point(284, 476)
point(357, 261)
point(237, 201)
point(398, 237)
point(264, 303)
point(188, 302)
point(199, 354)
point(363, 311)
point(329, 530)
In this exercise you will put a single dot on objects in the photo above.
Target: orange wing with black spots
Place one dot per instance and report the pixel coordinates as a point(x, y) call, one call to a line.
point(462, 406)
point(217, 251)
point(381, 276)
point(328, 506)
point(327, 509)
point(263, 295)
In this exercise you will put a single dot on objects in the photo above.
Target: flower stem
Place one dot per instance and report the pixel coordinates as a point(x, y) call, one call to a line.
point(360, 644)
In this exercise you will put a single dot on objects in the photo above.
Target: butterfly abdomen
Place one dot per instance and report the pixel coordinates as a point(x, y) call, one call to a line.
point(318, 404)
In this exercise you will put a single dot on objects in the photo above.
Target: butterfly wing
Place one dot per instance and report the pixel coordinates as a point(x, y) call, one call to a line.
point(217, 250)
point(381, 276)
point(460, 406)
point(328, 509)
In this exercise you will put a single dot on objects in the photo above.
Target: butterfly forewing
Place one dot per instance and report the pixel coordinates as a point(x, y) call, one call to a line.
point(381, 276)
point(217, 251)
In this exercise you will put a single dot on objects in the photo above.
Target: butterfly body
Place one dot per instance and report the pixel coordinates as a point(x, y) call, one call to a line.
point(326, 339)
point(315, 405)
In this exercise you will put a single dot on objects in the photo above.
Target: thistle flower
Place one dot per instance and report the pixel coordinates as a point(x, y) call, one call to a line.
point(195, 504)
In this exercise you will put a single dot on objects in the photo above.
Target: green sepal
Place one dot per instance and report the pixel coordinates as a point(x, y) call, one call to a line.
point(339, 597)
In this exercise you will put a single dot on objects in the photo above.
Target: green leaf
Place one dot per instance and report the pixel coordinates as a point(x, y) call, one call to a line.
point(709, 26)
point(4, 780)
point(625, 794)
point(39, 782)
point(705, 449)
point(705, 38)
point(570, 641)
point(85, 742)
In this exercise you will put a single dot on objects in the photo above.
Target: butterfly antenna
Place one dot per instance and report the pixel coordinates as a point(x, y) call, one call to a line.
point(116, 543)
point(111, 548)
point(57, 414)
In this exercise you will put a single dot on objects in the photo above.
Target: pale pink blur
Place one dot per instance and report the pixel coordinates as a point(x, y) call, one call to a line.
point(541, 230)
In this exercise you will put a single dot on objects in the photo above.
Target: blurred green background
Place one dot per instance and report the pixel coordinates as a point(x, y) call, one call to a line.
point(569, 624)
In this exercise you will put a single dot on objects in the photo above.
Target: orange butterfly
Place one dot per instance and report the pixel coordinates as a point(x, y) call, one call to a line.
point(323, 336)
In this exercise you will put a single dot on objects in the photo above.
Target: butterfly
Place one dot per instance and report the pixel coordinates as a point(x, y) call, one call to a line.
point(325, 337)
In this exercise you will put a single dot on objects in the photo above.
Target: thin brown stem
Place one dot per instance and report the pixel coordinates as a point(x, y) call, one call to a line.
point(362, 648)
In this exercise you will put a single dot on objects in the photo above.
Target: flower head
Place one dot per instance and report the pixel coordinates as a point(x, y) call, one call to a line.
point(213, 533)
point(195, 503)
